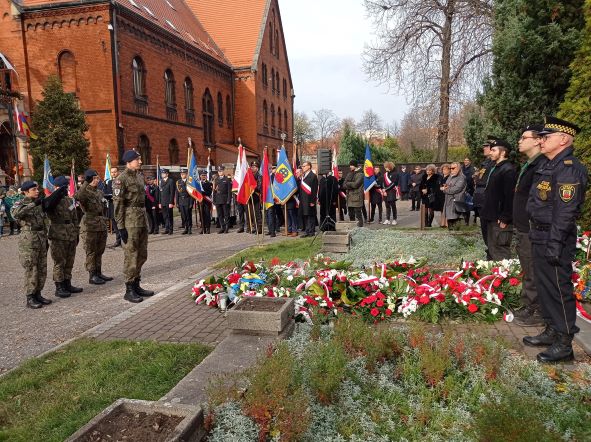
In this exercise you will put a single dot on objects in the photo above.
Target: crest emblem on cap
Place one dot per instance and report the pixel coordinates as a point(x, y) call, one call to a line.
point(566, 192)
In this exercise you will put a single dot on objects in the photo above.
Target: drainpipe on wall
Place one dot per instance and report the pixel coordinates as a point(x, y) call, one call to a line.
point(116, 86)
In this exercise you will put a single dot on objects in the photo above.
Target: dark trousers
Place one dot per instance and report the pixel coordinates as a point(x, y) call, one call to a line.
point(404, 196)
point(168, 218)
point(205, 215)
point(223, 215)
point(390, 210)
point(156, 219)
point(373, 211)
point(343, 210)
point(292, 220)
point(484, 230)
point(271, 220)
point(242, 221)
point(554, 286)
point(415, 198)
point(499, 241)
point(356, 213)
point(529, 294)
point(310, 223)
point(279, 215)
point(149, 211)
point(115, 230)
point(186, 216)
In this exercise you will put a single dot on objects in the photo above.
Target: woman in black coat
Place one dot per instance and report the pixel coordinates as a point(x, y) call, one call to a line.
point(375, 196)
point(432, 196)
point(391, 180)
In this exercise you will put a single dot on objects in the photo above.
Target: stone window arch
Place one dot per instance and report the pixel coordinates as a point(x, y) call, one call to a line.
point(169, 89)
point(139, 78)
point(67, 71)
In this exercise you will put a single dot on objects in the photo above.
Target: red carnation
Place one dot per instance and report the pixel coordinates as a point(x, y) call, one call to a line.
point(500, 296)
point(388, 312)
point(424, 299)
point(374, 312)
point(380, 303)
point(514, 281)
point(440, 297)
point(497, 282)
point(472, 308)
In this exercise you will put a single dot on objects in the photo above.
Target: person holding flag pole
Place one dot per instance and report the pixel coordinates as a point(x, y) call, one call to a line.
point(194, 187)
point(284, 188)
point(239, 175)
point(251, 188)
point(268, 201)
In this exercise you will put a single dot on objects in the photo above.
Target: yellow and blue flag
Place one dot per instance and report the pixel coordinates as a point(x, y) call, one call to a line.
point(284, 183)
point(48, 186)
point(193, 182)
point(369, 179)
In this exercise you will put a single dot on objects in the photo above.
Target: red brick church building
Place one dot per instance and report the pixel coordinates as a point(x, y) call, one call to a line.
point(154, 74)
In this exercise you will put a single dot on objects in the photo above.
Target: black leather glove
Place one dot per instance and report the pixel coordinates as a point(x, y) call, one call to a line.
point(553, 260)
point(124, 235)
point(38, 201)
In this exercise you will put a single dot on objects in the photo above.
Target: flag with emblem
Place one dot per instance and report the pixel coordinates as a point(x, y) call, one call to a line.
point(108, 168)
point(284, 182)
point(267, 188)
point(48, 186)
point(193, 183)
point(369, 179)
point(158, 173)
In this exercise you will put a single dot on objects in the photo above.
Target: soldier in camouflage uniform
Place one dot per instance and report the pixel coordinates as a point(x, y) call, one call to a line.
point(63, 236)
point(32, 244)
point(130, 214)
point(94, 226)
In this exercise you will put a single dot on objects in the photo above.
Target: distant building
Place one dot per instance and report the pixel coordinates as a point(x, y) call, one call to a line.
point(152, 74)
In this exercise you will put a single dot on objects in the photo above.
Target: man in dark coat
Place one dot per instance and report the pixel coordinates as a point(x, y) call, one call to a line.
point(308, 193)
point(404, 183)
point(222, 197)
point(152, 209)
point(342, 198)
point(167, 194)
point(376, 197)
point(480, 178)
point(328, 193)
point(497, 210)
point(184, 202)
point(355, 195)
point(415, 193)
point(206, 203)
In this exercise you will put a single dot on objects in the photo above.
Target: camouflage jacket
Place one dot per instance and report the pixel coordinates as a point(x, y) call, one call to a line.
point(64, 221)
point(32, 221)
point(91, 202)
point(129, 200)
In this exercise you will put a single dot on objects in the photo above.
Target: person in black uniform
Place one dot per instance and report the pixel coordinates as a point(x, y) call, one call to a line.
point(497, 209)
point(152, 209)
point(184, 202)
point(256, 217)
point(308, 192)
point(108, 193)
point(167, 194)
point(342, 198)
point(529, 145)
point(222, 197)
point(555, 200)
point(480, 177)
point(205, 209)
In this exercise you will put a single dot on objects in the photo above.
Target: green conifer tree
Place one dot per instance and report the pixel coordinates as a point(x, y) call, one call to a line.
point(577, 105)
point(60, 126)
point(351, 147)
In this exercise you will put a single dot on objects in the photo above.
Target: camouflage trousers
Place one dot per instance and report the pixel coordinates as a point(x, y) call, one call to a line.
point(94, 245)
point(63, 254)
point(135, 252)
point(34, 261)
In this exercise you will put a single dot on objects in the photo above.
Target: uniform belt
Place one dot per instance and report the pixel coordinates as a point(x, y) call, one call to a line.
point(34, 229)
point(541, 227)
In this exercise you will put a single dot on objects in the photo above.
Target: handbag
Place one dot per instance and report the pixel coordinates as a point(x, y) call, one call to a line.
point(431, 198)
point(460, 206)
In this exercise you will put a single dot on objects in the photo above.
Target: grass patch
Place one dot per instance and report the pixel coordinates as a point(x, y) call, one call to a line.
point(49, 398)
point(284, 250)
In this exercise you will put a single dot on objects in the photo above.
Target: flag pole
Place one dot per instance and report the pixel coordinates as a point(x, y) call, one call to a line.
point(285, 218)
point(248, 213)
point(254, 214)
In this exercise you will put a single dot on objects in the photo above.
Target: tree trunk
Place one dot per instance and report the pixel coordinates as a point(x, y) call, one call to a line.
point(444, 87)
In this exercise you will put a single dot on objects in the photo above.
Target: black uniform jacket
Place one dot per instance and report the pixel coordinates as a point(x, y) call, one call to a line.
point(498, 194)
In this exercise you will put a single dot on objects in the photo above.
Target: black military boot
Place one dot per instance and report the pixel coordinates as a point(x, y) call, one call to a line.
point(130, 293)
point(186, 231)
point(528, 317)
point(560, 351)
point(544, 339)
point(99, 273)
point(32, 302)
point(61, 291)
point(190, 230)
point(94, 279)
point(41, 299)
point(69, 287)
point(140, 291)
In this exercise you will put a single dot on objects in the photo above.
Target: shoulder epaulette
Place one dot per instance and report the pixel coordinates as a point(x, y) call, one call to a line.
point(568, 162)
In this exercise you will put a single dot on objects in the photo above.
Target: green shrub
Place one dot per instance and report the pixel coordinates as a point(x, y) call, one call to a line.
point(327, 369)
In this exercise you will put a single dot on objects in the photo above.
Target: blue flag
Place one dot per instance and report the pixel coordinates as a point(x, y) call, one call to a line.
point(284, 184)
point(48, 185)
point(369, 179)
point(193, 182)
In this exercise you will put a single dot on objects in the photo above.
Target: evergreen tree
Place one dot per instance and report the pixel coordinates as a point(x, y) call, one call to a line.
point(60, 126)
point(391, 151)
point(577, 105)
point(352, 147)
point(534, 45)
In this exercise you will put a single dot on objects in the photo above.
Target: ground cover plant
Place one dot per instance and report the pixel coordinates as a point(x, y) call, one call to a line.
point(49, 398)
point(351, 381)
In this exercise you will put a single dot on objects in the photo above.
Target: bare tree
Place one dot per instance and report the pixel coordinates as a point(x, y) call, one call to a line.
point(303, 130)
point(370, 124)
point(326, 124)
point(419, 129)
point(430, 48)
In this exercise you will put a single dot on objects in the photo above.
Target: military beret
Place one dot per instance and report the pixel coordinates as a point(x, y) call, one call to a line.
point(130, 155)
point(353, 163)
point(89, 174)
point(255, 163)
point(28, 185)
point(61, 181)
point(500, 143)
point(553, 124)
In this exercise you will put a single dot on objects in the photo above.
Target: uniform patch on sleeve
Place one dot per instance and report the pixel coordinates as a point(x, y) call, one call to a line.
point(566, 192)
point(116, 187)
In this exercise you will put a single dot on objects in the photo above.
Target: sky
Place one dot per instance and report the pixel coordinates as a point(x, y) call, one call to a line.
point(325, 40)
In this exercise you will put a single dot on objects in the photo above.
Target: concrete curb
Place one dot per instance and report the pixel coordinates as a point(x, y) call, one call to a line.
point(583, 338)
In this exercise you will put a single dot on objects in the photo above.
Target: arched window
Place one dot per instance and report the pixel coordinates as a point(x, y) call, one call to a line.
point(189, 102)
point(228, 111)
point(67, 71)
point(143, 147)
point(265, 117)
point(139, 78)
point(220, 110)
point(277, 83)
point(273, 79)
point(285, 126)
point(207, 103)
point(284, 88)
point(169, 92)
point(173, 151)
point(264, 73)
point(273, 119)
point(271, 33)
point(279, 118)
point(277, 43)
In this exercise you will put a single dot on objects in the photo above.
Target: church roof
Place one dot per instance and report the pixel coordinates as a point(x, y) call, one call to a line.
point(235, 25)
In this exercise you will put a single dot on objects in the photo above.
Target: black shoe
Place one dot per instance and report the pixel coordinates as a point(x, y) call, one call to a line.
point(140, 291)
point(115, 244)
point(186, 231)
point(165, 232)
point(41, 299)
point(99, 273)
point(69, 287)
point(190, 230)
point(227, 229)
point(61, 291)
point(32, 302)
point(207, 231)
point(130, 293)
point(273, 235)
point(560, 351)
point(240, 230)
point(528, 317)
point(94, 279)
point(156, 232)
point(544, 339)
point(221, 231)
point(170, 233)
